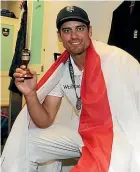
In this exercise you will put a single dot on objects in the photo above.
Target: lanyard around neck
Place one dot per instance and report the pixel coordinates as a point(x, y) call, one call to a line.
point(78, 103)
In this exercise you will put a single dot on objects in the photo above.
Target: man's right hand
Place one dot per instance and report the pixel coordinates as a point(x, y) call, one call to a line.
point(42, 114)
point(25, 86)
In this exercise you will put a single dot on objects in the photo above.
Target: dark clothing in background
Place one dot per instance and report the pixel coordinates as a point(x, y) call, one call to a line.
point(20, 45)
point(7, 13)
point(125, 28)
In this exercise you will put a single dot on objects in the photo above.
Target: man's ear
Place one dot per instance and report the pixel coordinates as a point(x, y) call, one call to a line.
point(90, 31)
point(59, 36)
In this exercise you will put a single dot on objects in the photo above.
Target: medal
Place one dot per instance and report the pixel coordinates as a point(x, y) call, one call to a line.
point(78, 104)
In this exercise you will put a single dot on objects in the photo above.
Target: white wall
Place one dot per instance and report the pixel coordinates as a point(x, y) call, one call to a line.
point(100, 14)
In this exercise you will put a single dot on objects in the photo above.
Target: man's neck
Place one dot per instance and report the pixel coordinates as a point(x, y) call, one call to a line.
point(79, 60)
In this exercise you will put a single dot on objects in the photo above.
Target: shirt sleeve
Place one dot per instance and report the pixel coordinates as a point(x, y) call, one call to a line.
point(57, 91)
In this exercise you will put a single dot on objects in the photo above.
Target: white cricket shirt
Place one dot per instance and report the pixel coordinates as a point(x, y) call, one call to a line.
point(65, 86)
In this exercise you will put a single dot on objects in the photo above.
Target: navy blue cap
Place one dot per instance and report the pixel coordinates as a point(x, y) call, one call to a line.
point(71, 13)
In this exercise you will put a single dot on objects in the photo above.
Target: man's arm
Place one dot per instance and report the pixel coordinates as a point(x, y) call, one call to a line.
point(44, 114)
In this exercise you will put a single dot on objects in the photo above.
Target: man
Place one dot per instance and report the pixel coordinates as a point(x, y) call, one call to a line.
point(75, 36)
point(105, 94)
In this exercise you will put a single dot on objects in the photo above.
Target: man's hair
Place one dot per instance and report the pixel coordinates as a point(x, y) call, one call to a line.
point(72, 13)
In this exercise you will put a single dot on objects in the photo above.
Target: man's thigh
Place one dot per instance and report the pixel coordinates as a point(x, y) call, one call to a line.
point(54, 143)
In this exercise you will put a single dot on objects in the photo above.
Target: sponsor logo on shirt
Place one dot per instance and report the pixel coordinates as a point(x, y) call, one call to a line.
point(70, 86)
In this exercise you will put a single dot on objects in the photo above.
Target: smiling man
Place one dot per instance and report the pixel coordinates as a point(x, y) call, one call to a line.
point(101, 84)
point(75, 36)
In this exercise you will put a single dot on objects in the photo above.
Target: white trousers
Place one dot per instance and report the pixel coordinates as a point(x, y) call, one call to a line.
point(51, 145)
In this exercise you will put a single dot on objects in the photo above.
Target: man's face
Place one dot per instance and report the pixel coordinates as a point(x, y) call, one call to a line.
point(75, 37)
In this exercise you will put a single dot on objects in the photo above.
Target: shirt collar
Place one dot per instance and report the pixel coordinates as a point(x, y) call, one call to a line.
point(75, 68)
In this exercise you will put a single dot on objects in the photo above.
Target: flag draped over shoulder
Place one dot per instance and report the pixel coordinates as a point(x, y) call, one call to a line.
point(96, 127)
point(61, 59)
point(107, 123)
point(95, 122)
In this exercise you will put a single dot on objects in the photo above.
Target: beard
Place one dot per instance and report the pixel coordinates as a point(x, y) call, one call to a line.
point(76, 50)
